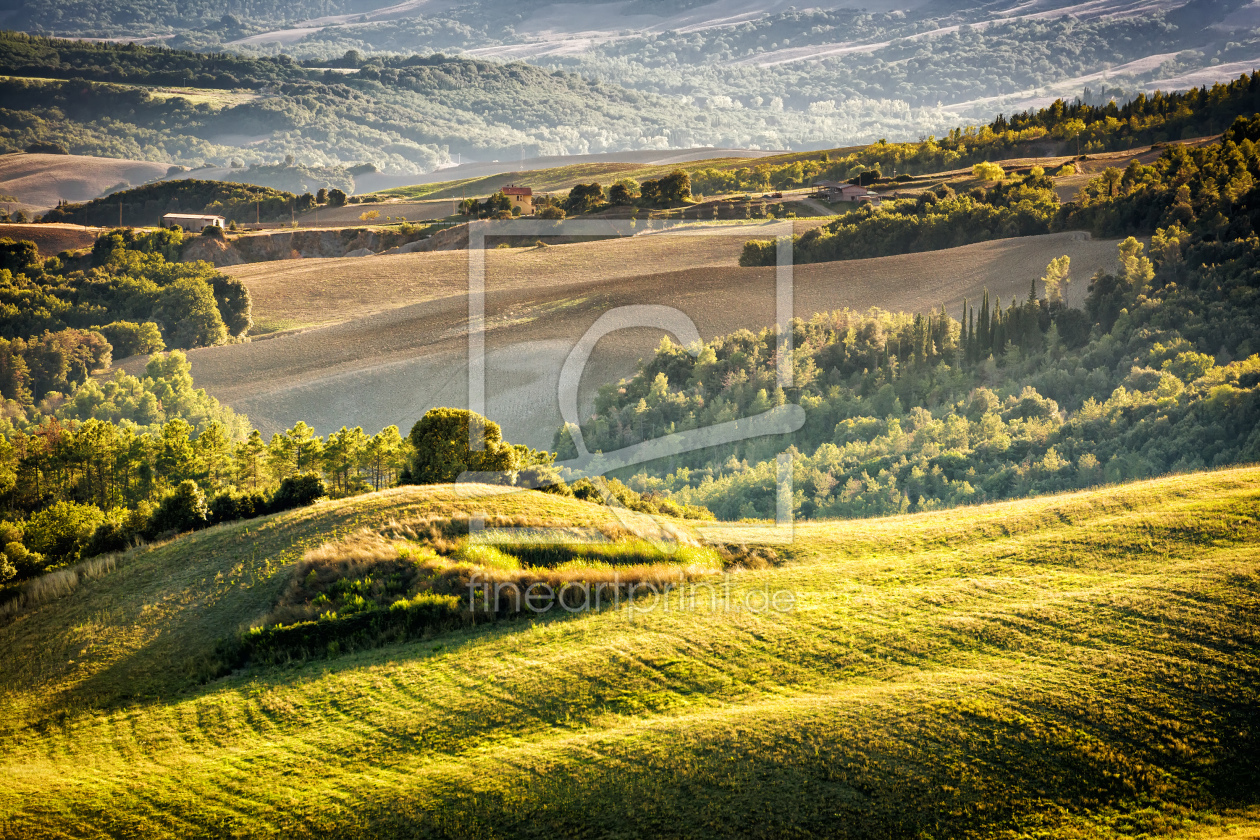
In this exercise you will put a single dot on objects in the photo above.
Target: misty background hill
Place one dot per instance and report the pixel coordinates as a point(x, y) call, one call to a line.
point(519, 80)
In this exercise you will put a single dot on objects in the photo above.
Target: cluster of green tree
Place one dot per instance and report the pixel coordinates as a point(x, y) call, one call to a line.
point(128, 289)
point(53, 362)
point(672, 190)
point(38, 57)
point(1208, 186)
point(99, 483)
point(497, 206)
point(104, 120)
point(64, 531)
point(1157, 373)
point(144, 206)
point(294, 177)
point(1061, 126)
point(398, 113)
point(937, 219)
point(440, 443)
point(198, 21)
point(136, 459)
point(141, 404)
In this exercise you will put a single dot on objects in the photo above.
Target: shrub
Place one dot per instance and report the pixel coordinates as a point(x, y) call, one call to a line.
point(231, 505)
point(213, 232)
point(114, 534)
point(298, 491)
point(62, 531)
point(185, 509)
point(128, 338)
point(43, 147)
point(987, 171)
point(25, 563)
point(442, 451)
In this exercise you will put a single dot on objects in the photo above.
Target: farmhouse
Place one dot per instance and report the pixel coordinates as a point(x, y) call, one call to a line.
point(193, 222)
point(522, 197)
point(832, 191)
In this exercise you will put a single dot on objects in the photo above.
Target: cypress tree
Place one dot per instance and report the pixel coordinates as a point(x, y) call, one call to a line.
point(999, 329)
point(985, 339)
point(972, 350)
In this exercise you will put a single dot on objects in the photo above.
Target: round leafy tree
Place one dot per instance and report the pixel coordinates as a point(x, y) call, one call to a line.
point(440, 439)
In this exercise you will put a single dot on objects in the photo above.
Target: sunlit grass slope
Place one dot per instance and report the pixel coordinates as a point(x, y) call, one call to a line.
point(1082, 665)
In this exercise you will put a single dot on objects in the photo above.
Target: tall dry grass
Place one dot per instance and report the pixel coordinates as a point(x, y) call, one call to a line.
point(57, 584)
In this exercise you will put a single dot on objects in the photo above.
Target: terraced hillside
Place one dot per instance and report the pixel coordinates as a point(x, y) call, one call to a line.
point(1073, 666)
point(379, 340)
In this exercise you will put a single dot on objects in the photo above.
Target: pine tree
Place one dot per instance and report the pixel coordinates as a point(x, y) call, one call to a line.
point(249, 459)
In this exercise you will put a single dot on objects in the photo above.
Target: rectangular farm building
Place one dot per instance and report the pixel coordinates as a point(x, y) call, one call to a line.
point(834, 192)
point(193, 222)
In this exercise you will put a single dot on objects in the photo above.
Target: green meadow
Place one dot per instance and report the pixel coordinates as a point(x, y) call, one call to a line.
point(1082, 665)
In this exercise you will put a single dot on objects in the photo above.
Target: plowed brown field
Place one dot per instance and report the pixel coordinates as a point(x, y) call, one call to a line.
point(391, 336)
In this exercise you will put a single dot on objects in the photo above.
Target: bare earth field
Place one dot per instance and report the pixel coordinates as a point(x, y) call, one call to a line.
point(52, 239)
point(39, 181)
point(398, 343)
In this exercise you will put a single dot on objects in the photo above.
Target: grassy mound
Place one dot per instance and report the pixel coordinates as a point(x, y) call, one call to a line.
point(1082, 665)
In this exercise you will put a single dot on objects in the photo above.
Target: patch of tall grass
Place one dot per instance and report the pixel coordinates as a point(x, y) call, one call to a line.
point(55, 584)
point(378, 586)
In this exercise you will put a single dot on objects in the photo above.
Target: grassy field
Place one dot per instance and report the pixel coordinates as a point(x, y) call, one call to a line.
point(214, 97)
point(560, 178)
point(563, 178)
point(1074, 666)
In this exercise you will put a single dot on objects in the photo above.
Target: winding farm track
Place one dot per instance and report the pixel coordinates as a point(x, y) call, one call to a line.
point(379, 340)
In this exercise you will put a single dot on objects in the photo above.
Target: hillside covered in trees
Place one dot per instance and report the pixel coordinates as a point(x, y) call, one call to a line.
point(62, 319)
point(398, 113)
point(144, 206)
point(1158, 372)
point(942, 219)
point(776, 78)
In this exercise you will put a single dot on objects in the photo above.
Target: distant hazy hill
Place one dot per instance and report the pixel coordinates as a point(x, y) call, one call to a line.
point(402, 114)
point(751, 72)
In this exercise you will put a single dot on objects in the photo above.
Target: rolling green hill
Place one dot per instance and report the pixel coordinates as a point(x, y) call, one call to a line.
point(1073, 666)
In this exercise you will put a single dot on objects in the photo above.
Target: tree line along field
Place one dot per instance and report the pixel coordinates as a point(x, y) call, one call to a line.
point(1071, 666)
